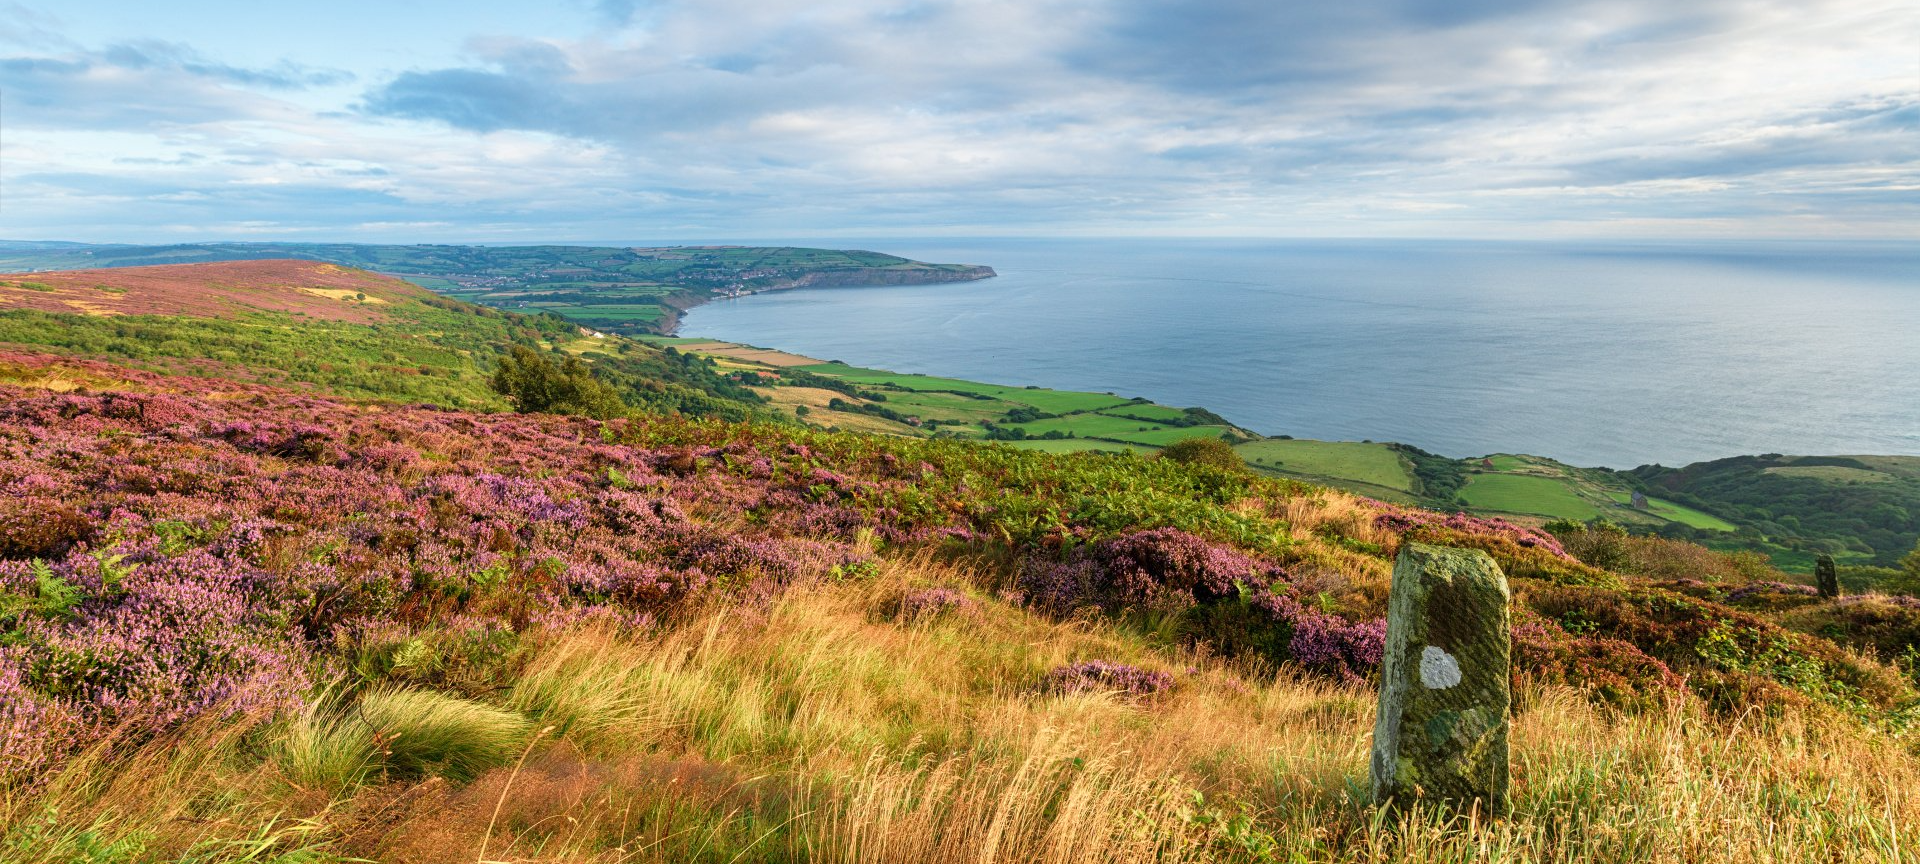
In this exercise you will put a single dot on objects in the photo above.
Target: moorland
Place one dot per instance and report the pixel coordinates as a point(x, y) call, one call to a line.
point(329, 567)
point(1863, 510)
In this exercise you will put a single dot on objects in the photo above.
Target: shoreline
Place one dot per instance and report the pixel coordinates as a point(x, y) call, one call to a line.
point(682, 302)
point(1521, 487)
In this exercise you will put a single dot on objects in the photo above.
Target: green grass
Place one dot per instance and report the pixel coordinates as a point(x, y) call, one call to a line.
point(1147, 411)
point(326, 746)
point(1078, 445)
point(1050, 401)
point(427, 733)
point(1832, 474)
point(613, 313)
point(651, 339)
point(1092, 426)
point(1678, 513)
point(947, 406)
point(1165, 435)
point(1373, 464)
point(1515, 493)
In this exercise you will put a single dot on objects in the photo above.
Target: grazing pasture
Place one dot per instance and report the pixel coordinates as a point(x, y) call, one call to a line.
point(1049, 401)
point(1519, 493)
point(1373, 464)
point(1678, 513)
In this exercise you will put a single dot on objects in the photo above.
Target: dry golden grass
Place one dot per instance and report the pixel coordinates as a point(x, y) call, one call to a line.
point(819, 729)
point(817, 400)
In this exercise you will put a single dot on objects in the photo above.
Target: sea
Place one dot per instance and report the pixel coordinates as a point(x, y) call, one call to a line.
point(1597, 354)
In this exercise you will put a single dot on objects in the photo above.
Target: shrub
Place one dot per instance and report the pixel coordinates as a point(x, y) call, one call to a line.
point(1104, 676)
point(933, 603)
point(538, 385)
point(38, 528)
point(1211, 452)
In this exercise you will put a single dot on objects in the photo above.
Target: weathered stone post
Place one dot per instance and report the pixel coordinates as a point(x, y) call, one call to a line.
point(1827, 576)
point(1444, 689)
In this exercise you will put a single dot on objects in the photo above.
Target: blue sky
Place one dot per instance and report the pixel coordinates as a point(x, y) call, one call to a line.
point(420, 120)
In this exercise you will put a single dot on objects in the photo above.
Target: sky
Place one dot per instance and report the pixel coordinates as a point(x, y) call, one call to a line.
point(636, 121)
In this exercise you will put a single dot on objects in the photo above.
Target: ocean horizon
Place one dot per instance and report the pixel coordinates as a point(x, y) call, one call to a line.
point(1608, 354)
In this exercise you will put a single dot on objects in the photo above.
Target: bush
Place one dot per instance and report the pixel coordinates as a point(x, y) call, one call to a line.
point(1102, 676)
point(1211, 452)
point(538, 385)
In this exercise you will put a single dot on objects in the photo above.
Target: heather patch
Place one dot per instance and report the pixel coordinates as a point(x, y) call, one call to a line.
point(925, 603)
point(219, 548)
point(1104, 676)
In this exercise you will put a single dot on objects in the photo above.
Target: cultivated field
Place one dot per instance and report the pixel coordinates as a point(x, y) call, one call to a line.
point(1373, 464)
point(1517, 493)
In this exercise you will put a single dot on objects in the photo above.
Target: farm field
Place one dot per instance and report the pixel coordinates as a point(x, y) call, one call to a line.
point(1050, 401)
point(1079, 445)
point(1092, 426)
point(1678, 513)
point(1165, 435)
point(1517, 493)
point(1154, 413)
point(949, 406)
point(1373, 464)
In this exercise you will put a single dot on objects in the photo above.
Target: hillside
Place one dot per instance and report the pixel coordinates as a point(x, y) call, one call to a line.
point(336, 330)
point(1852, 506)
point(1789, 517)
point(627, 290)
point(242, 618)
point(1863, 517)
point(284, 580)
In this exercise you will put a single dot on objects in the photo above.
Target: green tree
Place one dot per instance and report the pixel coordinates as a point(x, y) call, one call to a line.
point(538, 385)
point(1212, 452)
point(1908, 582)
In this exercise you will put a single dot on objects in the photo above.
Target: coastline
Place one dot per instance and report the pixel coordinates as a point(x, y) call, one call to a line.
point(681, 302)
point(1522, 488)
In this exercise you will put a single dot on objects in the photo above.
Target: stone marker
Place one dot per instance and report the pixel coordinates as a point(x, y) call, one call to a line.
point(1826, 576)
point(1444, 690)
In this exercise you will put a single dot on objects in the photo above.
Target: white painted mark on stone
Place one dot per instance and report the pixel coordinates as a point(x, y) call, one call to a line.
point(1438, 669)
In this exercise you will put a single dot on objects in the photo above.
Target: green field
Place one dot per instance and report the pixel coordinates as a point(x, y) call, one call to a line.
point(1833, 474)
point(1373, 464)
point(1515, 493)
point(1504, 462)
point(1091, 426)
point(948, 406)
point(1165, 435)
point(1149, 412)
point(1678, 513)
point(669, 340)
point(1078, 445)
point(1050, 401)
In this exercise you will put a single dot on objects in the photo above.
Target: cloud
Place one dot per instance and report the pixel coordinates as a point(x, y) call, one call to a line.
point(154, 56)
point(145, 84)
point(1241, 116)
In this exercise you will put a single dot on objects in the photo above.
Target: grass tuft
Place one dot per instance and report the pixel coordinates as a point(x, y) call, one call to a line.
point(421, 733)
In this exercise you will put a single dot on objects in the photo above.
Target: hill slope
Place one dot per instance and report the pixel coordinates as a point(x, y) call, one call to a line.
point(337, 330)
point(237, 615)
point(298, 605)
point(626, 290)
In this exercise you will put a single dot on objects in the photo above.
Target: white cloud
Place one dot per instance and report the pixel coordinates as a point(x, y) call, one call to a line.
point(755, 117)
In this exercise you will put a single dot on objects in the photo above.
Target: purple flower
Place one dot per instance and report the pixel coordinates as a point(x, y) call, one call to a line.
point(1105, 676)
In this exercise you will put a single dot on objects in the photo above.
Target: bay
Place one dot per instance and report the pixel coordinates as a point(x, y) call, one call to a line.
point(1613, 354)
